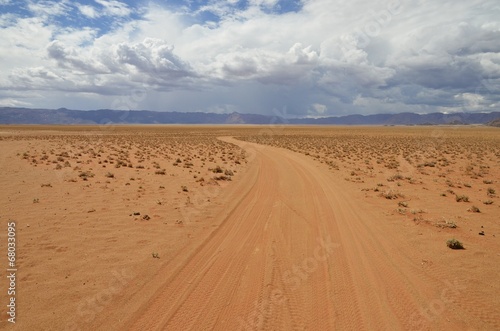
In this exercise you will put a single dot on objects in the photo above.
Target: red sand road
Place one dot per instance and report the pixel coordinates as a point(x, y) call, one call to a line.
point(297, 251)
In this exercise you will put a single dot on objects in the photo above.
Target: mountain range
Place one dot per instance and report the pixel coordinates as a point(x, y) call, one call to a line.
point(13, 115)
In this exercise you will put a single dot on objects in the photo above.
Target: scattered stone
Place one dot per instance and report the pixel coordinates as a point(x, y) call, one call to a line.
point(146, 217)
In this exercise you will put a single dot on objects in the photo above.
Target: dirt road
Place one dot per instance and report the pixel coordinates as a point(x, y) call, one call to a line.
point(296, 251)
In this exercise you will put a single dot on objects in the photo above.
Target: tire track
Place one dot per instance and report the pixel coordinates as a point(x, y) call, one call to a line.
point(292, 253)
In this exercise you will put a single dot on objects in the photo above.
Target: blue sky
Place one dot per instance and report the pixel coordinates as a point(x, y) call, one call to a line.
point(291, 58)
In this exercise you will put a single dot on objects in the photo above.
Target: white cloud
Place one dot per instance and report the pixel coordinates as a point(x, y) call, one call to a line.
point(114, 8)
point(472, 101)
point(11, 102)
point(110, 8)
point(7, 20)
point(261, 65)
point(154, 57)
point(88, 11)
point(330, 57)
point(76, 36)
point(264, 3)
point(317, 109)
point(48, 8)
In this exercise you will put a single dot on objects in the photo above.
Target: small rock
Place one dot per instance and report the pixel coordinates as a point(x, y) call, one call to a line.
point(146, 217)
point(481, 233)
point(136, 213)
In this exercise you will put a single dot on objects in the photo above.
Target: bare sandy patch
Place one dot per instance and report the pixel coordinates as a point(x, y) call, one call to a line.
point(279, 228)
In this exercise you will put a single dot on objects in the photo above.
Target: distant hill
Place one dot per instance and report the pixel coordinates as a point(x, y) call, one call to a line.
point(495, 123)
point(9, 115)
point(403, 119)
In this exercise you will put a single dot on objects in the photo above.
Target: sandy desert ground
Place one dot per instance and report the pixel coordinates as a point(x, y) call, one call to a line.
point(251, 228)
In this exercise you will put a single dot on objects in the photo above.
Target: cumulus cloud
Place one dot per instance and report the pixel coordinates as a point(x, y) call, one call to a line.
point(150, 64)
point(268, 67)
point(325, 58)
point(71, 58)
point(152, 55)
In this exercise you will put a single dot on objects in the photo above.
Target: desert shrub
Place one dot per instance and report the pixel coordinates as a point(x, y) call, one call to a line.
point(222, 177)
point(491, 191)
point(461, 198)
point(85, 174)
point(217, 170)
point(395, 177)
point(391, 195)
point(446, 224)
point(403, 204)
point(474, 209)
point(454, 244)
point(430, 164)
